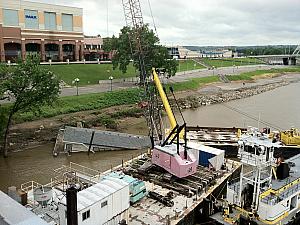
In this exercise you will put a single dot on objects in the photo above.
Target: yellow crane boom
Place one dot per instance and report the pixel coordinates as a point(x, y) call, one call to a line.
point(164, 99)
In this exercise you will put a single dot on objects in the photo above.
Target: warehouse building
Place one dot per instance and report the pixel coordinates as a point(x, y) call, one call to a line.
point(52, 31)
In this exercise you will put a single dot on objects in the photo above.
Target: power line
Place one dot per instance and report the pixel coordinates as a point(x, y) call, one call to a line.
point(252, 117)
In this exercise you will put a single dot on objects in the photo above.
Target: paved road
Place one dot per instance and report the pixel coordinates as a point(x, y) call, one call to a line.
point(106, 87)
point(180, 77)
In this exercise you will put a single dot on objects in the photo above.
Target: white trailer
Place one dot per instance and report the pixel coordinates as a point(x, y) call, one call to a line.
point(106, 202)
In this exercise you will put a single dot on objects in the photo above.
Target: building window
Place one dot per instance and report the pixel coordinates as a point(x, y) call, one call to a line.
point(67, 22)
point(31, 19)
point(10, 17)
point(50, 21)
point(86, 215)
point(103, 204)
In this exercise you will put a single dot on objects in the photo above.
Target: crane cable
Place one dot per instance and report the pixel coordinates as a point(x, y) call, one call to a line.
point(252, 117)
point(153, 21)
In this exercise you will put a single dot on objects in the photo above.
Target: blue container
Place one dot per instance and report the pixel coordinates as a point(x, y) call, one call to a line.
point(204, 157)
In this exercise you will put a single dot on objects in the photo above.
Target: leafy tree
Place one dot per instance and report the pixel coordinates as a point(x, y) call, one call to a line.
point(154, 54)
point(3, 113)
point(28, 86)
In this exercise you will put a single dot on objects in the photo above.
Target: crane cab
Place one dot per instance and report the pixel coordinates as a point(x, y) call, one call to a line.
point(176, 164)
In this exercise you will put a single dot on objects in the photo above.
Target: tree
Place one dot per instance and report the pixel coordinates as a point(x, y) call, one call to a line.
point(29, 87)
point(2, 110)
point(154, 54)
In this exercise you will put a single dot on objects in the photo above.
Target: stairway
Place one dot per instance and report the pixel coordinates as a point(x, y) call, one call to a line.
point(199, 61)
point(223, 78)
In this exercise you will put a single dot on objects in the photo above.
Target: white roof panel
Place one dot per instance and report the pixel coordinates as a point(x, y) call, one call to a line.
point(204, 148)
point(98, 192)
point(13, 213)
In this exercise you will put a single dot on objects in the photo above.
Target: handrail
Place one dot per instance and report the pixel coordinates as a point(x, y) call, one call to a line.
point(280, 190)
point(30, 185)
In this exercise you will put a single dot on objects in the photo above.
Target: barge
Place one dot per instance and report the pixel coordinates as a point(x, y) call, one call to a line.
point(166, 200)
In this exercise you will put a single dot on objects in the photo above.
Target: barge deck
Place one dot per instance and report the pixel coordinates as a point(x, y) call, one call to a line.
point(169, 201)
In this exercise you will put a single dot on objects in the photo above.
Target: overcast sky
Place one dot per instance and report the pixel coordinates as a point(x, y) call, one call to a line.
point(201, 22)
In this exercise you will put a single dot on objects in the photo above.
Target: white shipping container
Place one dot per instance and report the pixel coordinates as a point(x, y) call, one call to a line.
point(207, 156)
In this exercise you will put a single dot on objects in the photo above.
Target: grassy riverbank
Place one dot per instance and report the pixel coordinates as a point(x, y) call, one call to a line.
point(86, 102)
point(98, 101)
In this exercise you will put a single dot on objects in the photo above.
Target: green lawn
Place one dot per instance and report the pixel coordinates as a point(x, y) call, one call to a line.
point(194, 83)
point(185, 65)
point(89, 73)
point(92, 73)
point(231, 62)
point(250, 75)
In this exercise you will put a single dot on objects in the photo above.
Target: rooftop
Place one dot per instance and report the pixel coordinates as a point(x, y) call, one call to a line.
point(13, 213)
point(257, 139)
point(288, 186)
point(204, 148)
point(97, 192)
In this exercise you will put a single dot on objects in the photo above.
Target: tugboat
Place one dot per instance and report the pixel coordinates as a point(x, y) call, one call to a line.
point(268, 189)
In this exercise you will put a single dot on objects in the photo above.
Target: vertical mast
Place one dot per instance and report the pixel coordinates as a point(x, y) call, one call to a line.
point(134, 20)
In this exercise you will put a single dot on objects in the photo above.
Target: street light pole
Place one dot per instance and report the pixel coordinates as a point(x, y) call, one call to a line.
point(111, 82)
point(77, 81)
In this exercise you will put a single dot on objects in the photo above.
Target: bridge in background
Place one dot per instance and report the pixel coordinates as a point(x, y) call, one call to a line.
point(286, 59)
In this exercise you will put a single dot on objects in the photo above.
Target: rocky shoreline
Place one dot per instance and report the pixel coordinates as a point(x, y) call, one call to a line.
point(192, 102)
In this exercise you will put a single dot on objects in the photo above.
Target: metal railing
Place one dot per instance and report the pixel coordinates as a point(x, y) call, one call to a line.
point(30, 185)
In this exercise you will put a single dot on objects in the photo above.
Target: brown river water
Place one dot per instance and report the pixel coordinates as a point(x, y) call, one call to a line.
point(279, 108)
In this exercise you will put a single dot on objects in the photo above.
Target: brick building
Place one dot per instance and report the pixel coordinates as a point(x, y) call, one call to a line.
point(93, 49)
point(52, 31)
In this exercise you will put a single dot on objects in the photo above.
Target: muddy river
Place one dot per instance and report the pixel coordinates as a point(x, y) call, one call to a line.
point(278, 109)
